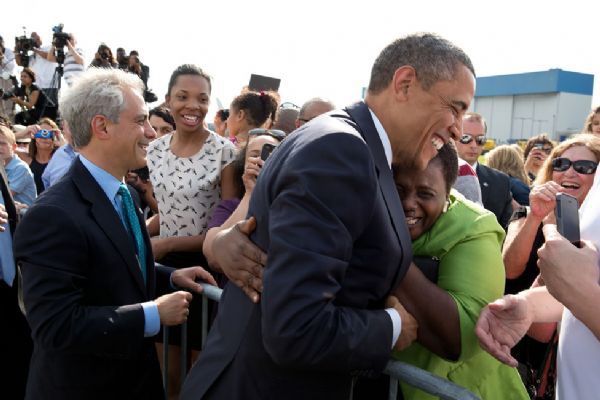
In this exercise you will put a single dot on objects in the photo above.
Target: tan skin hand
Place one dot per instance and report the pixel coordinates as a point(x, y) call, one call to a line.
point(542, 199)
point(173, 308)
point(187, 278)
point(501, 325)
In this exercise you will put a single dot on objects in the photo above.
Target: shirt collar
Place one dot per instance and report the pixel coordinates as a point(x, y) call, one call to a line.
point(385, 140)
point(108, 183)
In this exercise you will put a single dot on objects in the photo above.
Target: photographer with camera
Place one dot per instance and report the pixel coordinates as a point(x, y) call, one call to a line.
point(7, 69)
point(104, 58)
point(122, 59)
point(143, 71)
point(37, 61)
point(73, 59)
point(29, 97)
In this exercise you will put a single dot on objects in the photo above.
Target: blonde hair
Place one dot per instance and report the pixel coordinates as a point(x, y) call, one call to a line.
point(507, 159)
point(587, 140)
point(588, 121)
point(8, 134)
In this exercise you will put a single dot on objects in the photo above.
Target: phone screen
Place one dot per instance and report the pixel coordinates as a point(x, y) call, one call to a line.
point(567, 217)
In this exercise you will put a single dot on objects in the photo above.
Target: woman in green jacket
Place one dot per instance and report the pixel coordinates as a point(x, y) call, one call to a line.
point(466, 241)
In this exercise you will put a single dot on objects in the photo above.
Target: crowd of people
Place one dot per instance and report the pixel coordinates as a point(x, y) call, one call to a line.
point(341, 237)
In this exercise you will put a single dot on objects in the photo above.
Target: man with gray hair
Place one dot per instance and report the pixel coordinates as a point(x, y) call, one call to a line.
point(86, 259)
point(327, 211)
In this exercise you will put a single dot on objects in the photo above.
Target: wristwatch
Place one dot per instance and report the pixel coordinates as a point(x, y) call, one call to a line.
point(519, 213)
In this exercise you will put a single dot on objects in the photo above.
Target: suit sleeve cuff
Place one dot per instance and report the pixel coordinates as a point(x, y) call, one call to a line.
point(151, 319)
point(396, 324)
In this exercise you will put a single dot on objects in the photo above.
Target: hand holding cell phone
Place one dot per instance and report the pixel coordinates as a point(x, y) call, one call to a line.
point(251, 171)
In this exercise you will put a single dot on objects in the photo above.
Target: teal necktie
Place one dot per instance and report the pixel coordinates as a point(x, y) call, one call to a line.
point(134, 226)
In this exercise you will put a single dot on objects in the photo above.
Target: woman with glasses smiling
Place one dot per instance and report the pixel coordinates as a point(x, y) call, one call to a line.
point(570, 169)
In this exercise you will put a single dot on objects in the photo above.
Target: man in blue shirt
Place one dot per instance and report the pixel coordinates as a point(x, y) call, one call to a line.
point(61, 160)
point(20, 178)
point(89, 280)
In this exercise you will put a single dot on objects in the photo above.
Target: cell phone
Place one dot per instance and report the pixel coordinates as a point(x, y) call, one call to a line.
point(266, 151)
point(567, 217)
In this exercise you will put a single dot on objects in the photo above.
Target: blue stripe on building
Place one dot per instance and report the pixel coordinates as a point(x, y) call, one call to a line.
point(551, 81)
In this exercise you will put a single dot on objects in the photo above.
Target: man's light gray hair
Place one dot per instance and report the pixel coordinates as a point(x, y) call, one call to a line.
point(98, 91)
point(433, 58)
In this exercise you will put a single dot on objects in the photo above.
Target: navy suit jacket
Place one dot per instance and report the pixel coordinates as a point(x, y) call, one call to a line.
point(82, 288)
point(495, 193)
point(330, 219)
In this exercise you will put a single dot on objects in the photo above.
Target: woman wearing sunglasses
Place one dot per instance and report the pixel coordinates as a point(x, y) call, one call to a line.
point(570, 168)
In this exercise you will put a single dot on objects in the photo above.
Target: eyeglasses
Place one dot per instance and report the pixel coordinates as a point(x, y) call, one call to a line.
point(468, 138)
point(274, 133)
point(540, 146)
point(44, 134)
point(288, 105)
point(585, 167)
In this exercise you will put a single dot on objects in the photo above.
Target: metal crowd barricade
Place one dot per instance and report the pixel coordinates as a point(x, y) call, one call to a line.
point(398, 371)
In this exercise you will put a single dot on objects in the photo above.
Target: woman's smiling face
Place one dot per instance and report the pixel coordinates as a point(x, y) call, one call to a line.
point(423, 195)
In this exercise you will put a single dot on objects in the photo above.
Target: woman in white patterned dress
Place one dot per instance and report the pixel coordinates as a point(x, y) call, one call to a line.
point(190, 171)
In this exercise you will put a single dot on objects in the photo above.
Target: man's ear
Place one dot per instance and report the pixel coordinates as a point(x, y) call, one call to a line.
point(167, 100)
point(99, 127)
point(403, 81)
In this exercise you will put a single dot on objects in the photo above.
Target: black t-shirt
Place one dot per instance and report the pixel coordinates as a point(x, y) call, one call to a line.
point(26, 92)
point(524, 281)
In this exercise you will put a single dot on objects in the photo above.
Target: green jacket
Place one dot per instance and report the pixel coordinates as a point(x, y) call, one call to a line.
point(467, 239)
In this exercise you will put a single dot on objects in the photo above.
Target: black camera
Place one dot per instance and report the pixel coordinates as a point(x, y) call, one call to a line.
point(23, 43)
point(7, 94)
point(60, 38)
point(105, 56)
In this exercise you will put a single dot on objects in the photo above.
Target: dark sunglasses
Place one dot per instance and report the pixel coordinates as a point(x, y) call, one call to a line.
point(467, 138)
point(585, 167)
point(540, 146)
point(274, 133)
point(44, 134)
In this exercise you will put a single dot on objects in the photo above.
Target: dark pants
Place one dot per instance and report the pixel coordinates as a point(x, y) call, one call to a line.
point(15, 343)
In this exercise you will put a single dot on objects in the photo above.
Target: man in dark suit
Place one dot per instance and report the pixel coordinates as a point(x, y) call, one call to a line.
point(15, 333)
point(328, 215)
point(495, 185)
point(86, 260)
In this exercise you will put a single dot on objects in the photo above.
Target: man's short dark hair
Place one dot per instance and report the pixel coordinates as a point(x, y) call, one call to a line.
point(164, 113)
point(433, 58)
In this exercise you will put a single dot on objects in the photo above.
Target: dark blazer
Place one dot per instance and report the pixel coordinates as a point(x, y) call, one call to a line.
point(330, 219)
point(82, 288)
point(495, 193)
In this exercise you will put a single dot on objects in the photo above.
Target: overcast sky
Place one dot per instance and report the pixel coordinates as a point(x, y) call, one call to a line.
point(318, 48)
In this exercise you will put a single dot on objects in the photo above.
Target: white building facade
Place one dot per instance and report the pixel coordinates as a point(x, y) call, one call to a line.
point(520, 106)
